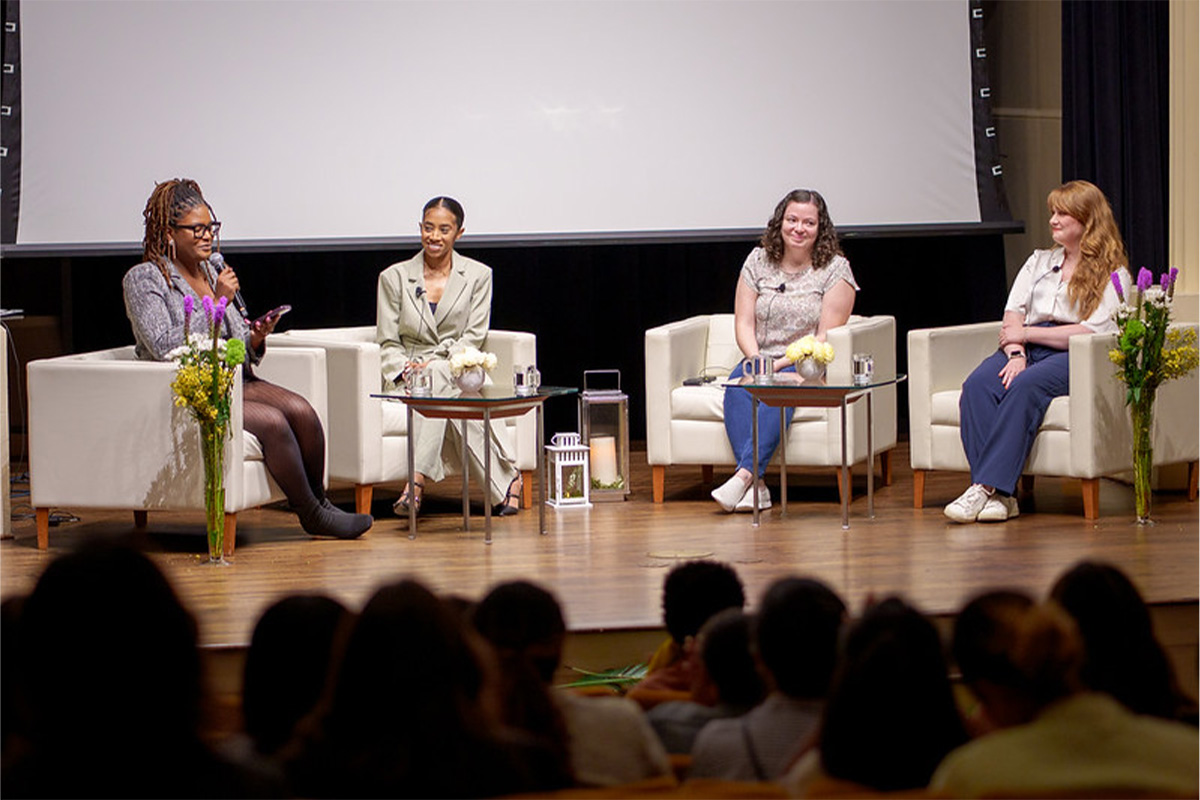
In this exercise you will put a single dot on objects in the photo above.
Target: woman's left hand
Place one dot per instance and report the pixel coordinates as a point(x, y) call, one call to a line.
point(1012, 368)
point(260, 328)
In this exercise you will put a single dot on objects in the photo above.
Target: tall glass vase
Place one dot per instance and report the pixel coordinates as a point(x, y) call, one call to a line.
point(212, 436)
point(1142, 413)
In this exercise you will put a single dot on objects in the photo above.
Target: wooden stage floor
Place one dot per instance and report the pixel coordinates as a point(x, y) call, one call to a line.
point(607, 563)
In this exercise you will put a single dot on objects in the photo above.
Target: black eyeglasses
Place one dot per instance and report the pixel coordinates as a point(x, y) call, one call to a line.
point(199, 230)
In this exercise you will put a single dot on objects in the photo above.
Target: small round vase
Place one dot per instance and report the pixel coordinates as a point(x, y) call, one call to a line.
point(470, 380)
point(810, 369)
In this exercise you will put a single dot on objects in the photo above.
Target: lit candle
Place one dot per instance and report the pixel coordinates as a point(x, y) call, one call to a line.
point(604, 460)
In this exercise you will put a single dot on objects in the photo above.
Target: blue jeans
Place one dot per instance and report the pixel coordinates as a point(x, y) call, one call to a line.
point(998, 425)
point(739, 425)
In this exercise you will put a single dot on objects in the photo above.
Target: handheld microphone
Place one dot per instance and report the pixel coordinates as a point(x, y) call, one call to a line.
point(217, 262)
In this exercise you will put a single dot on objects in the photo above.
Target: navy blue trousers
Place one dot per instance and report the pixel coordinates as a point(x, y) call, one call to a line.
point(998, 425)
point(738, 422)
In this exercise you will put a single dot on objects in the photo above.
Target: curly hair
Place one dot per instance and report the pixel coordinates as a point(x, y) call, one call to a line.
point(169, 202)
point(1101, 250)
point(826, 246)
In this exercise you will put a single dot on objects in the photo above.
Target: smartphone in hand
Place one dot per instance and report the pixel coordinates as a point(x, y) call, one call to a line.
point(273, 314)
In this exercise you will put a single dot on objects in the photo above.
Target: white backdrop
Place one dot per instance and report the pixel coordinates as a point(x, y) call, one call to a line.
point(315, 118)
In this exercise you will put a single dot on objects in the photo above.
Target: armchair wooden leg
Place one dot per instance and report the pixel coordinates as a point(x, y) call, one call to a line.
point(527, 488)
point(1191, 486)
point(918, 488)
point(843, 488)
point(1091, 498)
point(658, 479)
point(230, 534)
point(362, 497)
point(706, 474)
point(43, 527)
point(885, 467)
point(139, 519)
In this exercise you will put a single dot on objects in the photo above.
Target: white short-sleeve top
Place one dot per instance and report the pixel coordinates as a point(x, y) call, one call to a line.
point(1039, 294)
point(789, 305)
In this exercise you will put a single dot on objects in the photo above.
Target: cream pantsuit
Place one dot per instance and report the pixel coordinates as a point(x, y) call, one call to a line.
point(406, 327)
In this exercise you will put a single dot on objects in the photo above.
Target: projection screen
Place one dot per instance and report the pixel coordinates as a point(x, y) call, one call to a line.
point(324, 119)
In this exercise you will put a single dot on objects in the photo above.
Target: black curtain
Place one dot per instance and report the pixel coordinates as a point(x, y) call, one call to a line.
point(1115, 115)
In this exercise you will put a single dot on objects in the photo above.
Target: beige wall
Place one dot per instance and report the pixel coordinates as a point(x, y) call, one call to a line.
point(1183, 243)
point(1025, 49)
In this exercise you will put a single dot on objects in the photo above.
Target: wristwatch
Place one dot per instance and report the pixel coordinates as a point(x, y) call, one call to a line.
point(1015, 354)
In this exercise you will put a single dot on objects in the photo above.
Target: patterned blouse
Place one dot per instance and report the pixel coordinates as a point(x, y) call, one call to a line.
point(789, 306)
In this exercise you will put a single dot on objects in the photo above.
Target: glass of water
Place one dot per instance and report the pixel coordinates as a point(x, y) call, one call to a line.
point(864, 368)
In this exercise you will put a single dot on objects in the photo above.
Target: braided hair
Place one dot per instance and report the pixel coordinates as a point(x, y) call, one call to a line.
point(169, 202)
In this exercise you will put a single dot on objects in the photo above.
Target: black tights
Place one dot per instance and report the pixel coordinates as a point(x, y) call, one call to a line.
point(293, 442)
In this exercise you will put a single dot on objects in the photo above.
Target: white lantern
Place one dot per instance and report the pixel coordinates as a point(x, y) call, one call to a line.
point(604, 423)
point(567, 463)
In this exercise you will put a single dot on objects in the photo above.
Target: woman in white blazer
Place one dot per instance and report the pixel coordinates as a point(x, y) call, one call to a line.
point(429, 307)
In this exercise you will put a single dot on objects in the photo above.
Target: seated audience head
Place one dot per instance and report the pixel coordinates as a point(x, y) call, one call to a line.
point(826, 245)
point(727, 671)
point(287, 665)
point(520, 618)
point(13, 711)
point(891, 715)
point(1016, 655)
point(1122, 656)
point(694, 591)
point(796, 635)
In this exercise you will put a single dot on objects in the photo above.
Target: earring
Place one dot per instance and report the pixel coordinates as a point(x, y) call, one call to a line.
point(171, 249)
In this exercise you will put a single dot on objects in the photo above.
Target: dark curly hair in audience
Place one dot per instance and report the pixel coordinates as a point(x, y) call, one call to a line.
point(725, 652)
point(891, 716)
point(169, 202)
point(1122, 656)
point(694, 591)
point(826, 246)
point(796, 634)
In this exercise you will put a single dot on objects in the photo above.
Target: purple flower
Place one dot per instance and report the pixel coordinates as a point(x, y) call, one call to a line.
point(208, 307)
point(1165, 281)
point(219, 311)
point(1145, 279)
point(1171, 286)
point(1116, 282)
point(189, 305)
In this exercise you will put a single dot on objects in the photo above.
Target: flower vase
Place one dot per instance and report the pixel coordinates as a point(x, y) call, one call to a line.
point(212, 439)
point(1142, 413)
point(470, 380)
point(810, 369)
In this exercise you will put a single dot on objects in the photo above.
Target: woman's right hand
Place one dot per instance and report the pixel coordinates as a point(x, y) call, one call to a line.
point(227, 284)
point(1012, 368)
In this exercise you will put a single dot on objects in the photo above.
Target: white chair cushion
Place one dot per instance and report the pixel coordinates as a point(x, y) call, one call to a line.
point(944, 411)
point(395, 418)
point(251, 447)
point(706, 404)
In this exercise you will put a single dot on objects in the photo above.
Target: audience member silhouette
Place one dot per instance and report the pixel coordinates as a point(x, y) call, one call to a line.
point(608, 738)
point(1122, 655)
point(891, 716)
point(796, 636)
point(112, 675)
point(1022, 660)
point(692, 592)
point(409, 712)
point(287, 666)
point(13, 710)
point(725, 682)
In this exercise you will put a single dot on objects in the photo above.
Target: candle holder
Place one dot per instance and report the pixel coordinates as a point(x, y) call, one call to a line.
point(604, 427)
point(567, 463)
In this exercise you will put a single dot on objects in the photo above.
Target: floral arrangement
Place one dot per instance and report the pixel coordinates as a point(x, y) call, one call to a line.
point(470, 358)
point(1147, 355)
point(809, 347)
point(204, 385)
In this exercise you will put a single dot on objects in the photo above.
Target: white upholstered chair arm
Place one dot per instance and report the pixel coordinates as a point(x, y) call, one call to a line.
point(674, 352)
point(1177, 411)
point(940, 359)
point(1101, 442)
point(875, 335)
point(514, 348)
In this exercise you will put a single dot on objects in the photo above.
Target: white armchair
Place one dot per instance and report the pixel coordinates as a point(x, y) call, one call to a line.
point(685, 424)
point(368, 437)
point(1085, 434)
point(104, 432)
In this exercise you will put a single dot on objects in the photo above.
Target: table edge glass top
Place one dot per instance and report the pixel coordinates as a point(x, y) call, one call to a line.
point(489, 394)
point(839, 387)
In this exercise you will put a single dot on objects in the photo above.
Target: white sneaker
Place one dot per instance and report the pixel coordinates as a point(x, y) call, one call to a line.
point(998, 508)
point(968, 505)
point(747, 501)
point(730, 493)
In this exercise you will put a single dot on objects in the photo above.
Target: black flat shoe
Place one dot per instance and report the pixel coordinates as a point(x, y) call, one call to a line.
point(508, 508)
